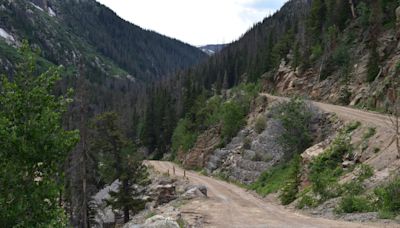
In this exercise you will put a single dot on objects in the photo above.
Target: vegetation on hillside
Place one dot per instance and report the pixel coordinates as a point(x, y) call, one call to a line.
point(229, 114)
point(33, 146)
point(295, 117)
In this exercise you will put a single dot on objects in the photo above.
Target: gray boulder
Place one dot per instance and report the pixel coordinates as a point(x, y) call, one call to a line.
point(156, 221)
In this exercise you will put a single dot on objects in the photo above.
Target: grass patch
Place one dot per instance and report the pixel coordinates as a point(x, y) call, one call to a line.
point(352, 126)
point(275, 179)
point(371, 131)
point(150, 214)
point(181, 222)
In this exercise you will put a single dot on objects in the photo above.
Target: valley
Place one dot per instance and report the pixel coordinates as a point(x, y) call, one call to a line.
point(295, 123)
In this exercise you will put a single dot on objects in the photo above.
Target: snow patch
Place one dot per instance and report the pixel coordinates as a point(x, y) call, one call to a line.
point(51, 12)
point(9, 38)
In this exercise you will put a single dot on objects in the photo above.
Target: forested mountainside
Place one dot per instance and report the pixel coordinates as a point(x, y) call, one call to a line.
point(107, 61)
point(323, 49)
point(67, 30)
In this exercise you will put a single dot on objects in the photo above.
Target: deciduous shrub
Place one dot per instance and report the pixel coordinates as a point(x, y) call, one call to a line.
point(351, 203)
point(295, 117)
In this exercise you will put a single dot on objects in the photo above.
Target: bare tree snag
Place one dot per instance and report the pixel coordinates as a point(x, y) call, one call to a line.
point(353, 11)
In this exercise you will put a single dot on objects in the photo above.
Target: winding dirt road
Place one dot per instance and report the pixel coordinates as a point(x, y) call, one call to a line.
point(346, 113)
point(231, 206)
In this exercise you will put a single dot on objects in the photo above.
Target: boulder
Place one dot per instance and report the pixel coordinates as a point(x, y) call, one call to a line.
point(201, 188)
point(165, 194)
point(314, 151)
point(156, 221)
point(192, 194)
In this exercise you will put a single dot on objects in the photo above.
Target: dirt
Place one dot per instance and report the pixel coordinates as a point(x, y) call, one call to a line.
point(228, 205)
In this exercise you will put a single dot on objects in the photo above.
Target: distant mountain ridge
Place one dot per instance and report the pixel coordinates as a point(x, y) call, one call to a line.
point(212, 49)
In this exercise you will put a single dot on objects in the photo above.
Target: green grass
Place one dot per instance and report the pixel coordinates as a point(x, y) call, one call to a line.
point(369, 133)
point(352, 126)
point(273, 180)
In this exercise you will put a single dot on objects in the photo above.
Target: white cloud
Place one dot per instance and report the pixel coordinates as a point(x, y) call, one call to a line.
point(197, 22)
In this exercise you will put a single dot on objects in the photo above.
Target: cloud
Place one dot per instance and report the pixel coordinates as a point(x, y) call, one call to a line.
point(197, 22)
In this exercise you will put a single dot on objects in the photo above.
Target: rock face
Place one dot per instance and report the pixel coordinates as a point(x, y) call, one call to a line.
point(104, 215)
point(205, 145)
point(248, 154)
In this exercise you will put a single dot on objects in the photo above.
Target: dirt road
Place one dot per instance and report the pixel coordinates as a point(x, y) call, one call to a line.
point(229, 206)
point(347, 113)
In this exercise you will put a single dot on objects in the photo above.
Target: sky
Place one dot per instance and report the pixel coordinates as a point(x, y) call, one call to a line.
point(197, 22)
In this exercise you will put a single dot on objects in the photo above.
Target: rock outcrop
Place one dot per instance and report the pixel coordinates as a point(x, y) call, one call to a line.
point(205, 145)
point(250, 153)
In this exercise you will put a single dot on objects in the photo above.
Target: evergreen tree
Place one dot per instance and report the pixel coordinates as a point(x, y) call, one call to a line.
point(33, 146)
point(118, 159)
point(127, 197)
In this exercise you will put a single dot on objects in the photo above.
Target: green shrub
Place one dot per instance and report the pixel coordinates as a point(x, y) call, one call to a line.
point(183, 137)
point(352, 126)
point(316, 52)
point(233, 116)
point(389, 197)
point(341, 56)
point(364, 12)
point(369, 133)
point(295, 117)
point(307, 201)
point(373, 63)
point(326, 168)
point(350, 204)
point(353, 188)
point(365, 172)
point(260, 124)
point(291, 187)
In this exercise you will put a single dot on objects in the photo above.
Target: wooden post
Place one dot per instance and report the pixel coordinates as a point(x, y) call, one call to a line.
point(184, 173)
point(168, 172)
point(173, 170)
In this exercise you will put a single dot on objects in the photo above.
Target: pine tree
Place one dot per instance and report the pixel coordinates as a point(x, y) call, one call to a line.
point(118, 159)
point(127, 197)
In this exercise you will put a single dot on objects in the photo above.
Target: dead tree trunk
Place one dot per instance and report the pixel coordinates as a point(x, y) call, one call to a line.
point(353, 11)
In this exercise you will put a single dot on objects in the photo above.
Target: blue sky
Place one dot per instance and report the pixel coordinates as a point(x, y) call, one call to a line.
point(197, 22)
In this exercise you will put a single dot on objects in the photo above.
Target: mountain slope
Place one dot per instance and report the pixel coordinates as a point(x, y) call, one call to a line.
point(69, 31)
